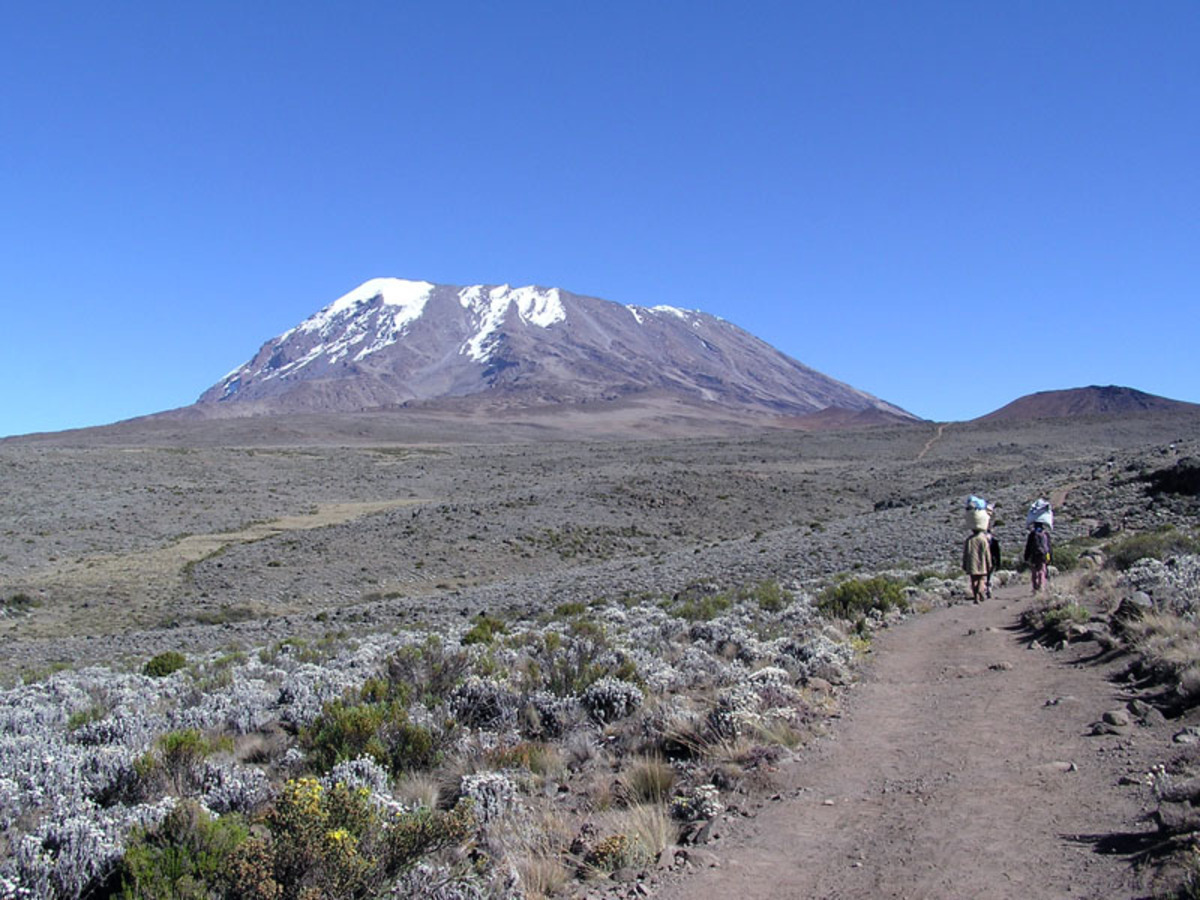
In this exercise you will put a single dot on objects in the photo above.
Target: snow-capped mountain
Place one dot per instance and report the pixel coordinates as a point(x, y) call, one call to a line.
point(392, 341)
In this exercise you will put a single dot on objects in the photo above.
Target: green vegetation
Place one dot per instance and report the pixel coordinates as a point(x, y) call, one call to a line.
point(176, 759)
point(428, 670)
point(855, 598)
point(771, 598)
point(567, 665)
point(19, 604)
point(699, 608)
point(41, 673)
point(375, 723)
point(485, 630)
point(1161, 544)
point(227, 614)
point(164, 664)
point(82, 717)
point(313, 843)
point(184, 858)
point(595, 541)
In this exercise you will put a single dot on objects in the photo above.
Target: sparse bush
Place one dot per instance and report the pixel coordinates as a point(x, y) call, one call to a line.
point(375, 723)
point(1165, 542)
point(18, 604)
point(1169, 650)
point(164, 664)
point(855, 598)
point(185, 857)
point(336, 843)
point(181, 754)
point(1054, 617)
point(430, 669)
point(771, 598)
point(484, 631)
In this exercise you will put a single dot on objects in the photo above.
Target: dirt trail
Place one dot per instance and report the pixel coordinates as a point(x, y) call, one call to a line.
point(963, 767)
point(941, 429)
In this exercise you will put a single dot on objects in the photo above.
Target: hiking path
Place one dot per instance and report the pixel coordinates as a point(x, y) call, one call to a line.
point(963, 765)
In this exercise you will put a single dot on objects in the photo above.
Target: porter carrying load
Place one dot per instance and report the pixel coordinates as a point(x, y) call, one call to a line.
point(1040, 512)
point(978, 516)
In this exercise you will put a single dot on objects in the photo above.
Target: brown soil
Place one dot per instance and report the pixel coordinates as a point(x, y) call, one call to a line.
point(963, 767)
point(146, 578)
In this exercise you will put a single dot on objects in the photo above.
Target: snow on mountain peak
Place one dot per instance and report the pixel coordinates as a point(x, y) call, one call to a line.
point(535, 306)
point(409, 296)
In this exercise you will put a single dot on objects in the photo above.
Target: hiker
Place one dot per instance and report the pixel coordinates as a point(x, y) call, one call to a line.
point(977, 562)
point(1037, 554)
point(993, 550)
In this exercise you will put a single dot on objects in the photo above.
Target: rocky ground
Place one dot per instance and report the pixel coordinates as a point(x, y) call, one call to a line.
point(138, 548)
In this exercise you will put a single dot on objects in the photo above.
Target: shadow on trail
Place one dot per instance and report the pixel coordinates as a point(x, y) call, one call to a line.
point(1138, 846)
point(1050, 641)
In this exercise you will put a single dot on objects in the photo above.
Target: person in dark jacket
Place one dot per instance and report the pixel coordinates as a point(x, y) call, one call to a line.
point(994, 548)
point(1037, 555)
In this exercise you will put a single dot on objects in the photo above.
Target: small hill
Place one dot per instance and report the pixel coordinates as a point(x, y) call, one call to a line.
point(1087, 401)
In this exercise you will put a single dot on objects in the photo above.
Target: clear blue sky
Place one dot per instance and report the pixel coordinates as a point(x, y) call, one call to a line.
point(946, 204)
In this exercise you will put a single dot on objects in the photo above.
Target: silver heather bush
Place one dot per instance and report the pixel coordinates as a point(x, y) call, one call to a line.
point(363, 772)
point(228, 787)
point(73, 849)
point(700, 669)
point(545, 716)
point(483, 703)
point(815, 657)
point(494, 795)
point(653, 628)
point(425, 882)
point(658, 674)
point(701, 802)
point(307, 688)
point(247, 705)
point(1174, 584)
point(610, 699)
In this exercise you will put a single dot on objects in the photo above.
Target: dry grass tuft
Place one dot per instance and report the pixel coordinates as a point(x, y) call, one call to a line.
point(418, 789)
point(648, 780)
point(650, 826)
point(1170, 648)
point(538, 852)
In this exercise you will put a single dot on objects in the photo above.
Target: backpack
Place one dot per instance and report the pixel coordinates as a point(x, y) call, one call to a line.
point(1041, 546)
